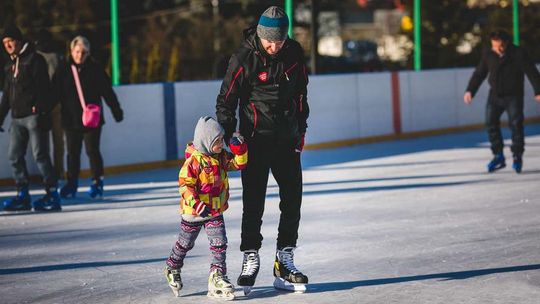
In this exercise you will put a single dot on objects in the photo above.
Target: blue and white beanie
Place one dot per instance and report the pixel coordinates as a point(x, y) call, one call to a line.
point(273, 24)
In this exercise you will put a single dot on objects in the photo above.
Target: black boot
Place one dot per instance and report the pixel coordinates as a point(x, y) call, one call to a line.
point(69, 189)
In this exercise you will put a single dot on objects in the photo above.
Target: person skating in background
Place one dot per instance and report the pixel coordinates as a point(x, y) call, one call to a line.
point(204, 190)
point(45, 46)
point(95, 85)
point(267, 79)
point(505, 65)
point(27, 94)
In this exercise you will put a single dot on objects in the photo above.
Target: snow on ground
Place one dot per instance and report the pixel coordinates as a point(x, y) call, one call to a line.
point(411, 221)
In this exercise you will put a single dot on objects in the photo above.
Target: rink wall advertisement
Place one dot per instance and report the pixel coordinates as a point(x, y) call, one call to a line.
point(345, 109)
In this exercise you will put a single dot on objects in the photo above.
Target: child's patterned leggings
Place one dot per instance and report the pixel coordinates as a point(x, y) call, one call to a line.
point(215, 230)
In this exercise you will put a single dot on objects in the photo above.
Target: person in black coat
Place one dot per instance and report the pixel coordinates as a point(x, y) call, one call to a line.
point(267, 80)
point(95, 85)
point(506, 65)
point(27, 95)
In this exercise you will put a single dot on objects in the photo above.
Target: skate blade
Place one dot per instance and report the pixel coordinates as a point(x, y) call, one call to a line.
point(175, 291)
point(499, 167)
point(221, 295)
point(282, 284)
point(247, 290)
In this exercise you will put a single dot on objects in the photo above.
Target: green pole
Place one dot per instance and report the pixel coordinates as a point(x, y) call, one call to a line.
point(417, 40)
point(115, 44)
point(515, 18)
point(289, 11)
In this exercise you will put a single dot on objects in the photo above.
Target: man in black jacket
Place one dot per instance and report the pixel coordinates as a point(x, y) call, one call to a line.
point(506, 65)
point(27, 95)
point(266, 78)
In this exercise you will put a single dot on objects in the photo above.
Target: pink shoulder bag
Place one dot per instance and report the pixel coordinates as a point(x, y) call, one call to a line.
point(91, 112)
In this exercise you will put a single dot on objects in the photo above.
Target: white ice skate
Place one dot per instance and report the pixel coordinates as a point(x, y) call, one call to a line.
point(250, 269)
point(174, 280)
point(219, 286)
point(287, 277)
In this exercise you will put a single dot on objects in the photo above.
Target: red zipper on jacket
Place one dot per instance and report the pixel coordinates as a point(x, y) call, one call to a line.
point(289, 69)
point(254, 118)
point(232, 83)
point(300, 102)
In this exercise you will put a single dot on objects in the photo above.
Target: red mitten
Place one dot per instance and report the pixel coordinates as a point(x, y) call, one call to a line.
point(237, 144)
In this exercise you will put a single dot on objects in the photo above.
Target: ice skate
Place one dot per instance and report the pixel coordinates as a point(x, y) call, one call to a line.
point(96, 189)
point(174, 280)
point(518, 163)
point(50, 202)
point(69, 189)
point(498, 162)
point(21, 201)
point(219, 286)
point(250, 269)
point(287, 277)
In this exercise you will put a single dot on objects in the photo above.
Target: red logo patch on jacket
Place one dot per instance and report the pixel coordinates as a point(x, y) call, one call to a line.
point(263, 76)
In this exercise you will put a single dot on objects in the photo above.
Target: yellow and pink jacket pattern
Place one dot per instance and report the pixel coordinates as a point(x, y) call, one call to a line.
point(203, 179)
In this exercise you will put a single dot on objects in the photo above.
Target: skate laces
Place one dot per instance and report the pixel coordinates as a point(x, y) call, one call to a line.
point(251, 263)
point(219, 279)
point(174, 273)
point(286, 257)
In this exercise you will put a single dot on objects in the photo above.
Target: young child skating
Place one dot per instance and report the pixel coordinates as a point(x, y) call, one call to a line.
point(204, 190)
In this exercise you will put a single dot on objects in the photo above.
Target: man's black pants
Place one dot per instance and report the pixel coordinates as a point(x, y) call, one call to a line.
point(513, 105)
point(263, 156)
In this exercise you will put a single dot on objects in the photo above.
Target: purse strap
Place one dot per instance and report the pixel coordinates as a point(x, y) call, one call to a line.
point(78, 85)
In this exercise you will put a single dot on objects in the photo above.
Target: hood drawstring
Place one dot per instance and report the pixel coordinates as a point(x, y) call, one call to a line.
point(15, 68)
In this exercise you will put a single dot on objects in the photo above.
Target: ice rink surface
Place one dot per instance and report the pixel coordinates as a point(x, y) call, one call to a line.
point(409, 221)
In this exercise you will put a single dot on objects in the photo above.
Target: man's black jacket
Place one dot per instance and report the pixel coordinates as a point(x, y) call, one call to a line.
point(271, 91)
point(27, 88)
point(505, 73)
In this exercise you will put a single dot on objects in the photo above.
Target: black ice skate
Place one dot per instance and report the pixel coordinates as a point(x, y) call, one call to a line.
point(250, 269)
point(219, 286)
point(174, 280)
point(498, 162)
point(287, 277)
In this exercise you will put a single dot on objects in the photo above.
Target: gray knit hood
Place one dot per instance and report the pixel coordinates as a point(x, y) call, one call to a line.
point(206, 133)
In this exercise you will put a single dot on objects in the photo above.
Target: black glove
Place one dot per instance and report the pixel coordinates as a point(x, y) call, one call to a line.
point(118, 115)
point(202, 210)
point(1, 130)
point(205, 212)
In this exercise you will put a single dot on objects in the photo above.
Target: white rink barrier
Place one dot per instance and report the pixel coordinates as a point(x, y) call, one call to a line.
point(159, 118)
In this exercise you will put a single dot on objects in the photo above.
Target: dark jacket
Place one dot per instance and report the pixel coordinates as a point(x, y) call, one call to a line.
point(271, 91)
point(28, 92)
point(505, 73)
point(95, 84)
